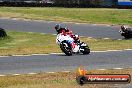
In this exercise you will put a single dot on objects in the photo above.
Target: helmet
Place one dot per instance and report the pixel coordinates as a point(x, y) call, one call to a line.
point(123, 28)
point(57, 27)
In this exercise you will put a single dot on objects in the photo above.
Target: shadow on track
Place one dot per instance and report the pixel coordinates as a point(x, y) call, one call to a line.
point(70, 56)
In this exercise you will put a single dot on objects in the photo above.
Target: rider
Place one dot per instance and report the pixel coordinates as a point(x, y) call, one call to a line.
point(126, 29)
point(66, 31)
point(123, 28)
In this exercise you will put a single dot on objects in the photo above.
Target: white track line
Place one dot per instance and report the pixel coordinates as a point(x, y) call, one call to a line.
point(113, 50)
point(39, 54)
point(65, 71)
point(94, 24)
point(90, 37)
point(14, 18)
point(101, 69)
point(63, 53)
point(106, 38)
point(128, 49)
point(16, 74)
point(26, 19)
point(50, 72)
point(2, 75)
point(54, 34)
point(117, 68)
point(4, 56)
point(21, 55)
point(119, 39)
point(43, 33)
point(32, 73)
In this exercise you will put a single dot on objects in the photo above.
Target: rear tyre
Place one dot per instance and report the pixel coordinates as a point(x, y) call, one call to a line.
point(66, 48)
point(127, 35)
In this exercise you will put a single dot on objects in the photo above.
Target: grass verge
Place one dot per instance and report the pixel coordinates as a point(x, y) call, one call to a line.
point(81, 15)
point(57, 80)
point(23, 43)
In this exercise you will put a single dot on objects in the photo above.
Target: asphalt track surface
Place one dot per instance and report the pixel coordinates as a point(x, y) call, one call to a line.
point(60, 62)
point(89, 30)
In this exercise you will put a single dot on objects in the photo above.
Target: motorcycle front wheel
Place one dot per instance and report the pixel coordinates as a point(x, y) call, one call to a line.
point(86, 50)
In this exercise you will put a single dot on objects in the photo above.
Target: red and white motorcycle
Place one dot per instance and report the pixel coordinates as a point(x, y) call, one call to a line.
point(65, 41)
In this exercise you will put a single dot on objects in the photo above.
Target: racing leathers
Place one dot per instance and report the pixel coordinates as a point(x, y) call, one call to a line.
point(65, 32)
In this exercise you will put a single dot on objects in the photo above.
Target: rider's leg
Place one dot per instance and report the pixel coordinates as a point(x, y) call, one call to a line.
point(75, 47)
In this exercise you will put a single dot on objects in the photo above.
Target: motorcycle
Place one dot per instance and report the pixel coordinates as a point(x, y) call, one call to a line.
point(64, 42)
point(126, 33)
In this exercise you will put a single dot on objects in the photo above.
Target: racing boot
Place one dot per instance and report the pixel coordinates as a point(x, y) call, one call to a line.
point(75, 48)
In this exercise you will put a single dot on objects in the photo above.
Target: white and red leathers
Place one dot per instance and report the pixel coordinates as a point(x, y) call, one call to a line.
point(68, 37)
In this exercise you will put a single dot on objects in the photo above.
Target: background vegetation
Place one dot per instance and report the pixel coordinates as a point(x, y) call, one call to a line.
point(81, 15)
point(62, 3)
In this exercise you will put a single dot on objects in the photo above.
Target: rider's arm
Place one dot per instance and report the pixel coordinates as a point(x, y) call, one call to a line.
point(63, 32)
point(68, 31)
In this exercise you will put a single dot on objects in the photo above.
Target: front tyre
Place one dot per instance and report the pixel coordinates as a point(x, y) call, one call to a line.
point(86, 50)
point(66, 48)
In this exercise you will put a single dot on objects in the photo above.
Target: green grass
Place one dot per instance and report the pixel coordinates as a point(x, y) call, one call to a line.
point(107, 44)
point(82, 15)
point(56, 80)
point(23, 43)
point(27, 43)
